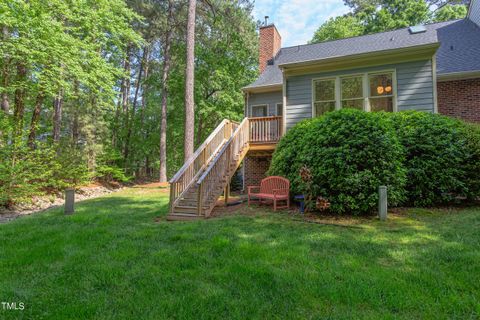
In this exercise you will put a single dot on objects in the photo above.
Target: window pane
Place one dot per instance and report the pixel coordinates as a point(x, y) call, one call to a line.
point(352, 88)
point(381, 85)
point(324, 90)
point(322, 107)
point(279, 109)
point(259, 111)
point(355, 104)
point(381, 104)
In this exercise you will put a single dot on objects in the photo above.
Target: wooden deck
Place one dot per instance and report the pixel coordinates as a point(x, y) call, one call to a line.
point(195, 188)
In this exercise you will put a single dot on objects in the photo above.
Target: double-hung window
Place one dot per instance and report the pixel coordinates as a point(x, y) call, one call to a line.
point(324, 96)
point(352, 92)
point(381, 92)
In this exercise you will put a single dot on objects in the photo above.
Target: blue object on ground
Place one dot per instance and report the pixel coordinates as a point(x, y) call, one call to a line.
point(301, 198)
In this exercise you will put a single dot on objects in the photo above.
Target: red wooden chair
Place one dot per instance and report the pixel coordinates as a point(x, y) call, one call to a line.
point(271, 188)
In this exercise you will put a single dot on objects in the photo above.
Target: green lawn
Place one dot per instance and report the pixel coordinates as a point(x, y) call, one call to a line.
point(113, 260)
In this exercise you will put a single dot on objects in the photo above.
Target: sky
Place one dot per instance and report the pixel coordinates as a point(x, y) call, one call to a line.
point(297, 20)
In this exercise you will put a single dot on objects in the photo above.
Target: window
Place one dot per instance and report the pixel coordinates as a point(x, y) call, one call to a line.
point(279, 109)
point(324, 96)
point(352, 92)
point(367, 91)
point(259, 110)
point(381, 92)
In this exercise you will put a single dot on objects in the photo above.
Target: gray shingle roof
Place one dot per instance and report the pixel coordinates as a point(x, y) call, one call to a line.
point(460, 47)
point(463, 35)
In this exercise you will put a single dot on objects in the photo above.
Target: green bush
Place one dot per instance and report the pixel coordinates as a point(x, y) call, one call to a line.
point(438, 157)
point(287, 157)
point(472, 163)
point(424, 159)
point(350, 153)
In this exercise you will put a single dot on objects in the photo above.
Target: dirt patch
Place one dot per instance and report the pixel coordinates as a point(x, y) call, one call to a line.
point(153, 185)
point(41, 203)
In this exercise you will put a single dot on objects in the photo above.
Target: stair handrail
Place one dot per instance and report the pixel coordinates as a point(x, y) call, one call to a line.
point(198, 151)
point(186, 175)
point(237, 141)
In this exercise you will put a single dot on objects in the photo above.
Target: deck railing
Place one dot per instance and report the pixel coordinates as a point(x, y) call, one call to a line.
point(222, 166)
point(265, 129)
point(197, 162)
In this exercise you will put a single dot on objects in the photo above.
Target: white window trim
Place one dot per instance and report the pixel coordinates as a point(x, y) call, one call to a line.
point(276, 108)
point(257, 105)
point(366, 88)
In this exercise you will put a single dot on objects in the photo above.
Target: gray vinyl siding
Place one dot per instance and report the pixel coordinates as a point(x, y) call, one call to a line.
point(269, 98)
point(474, 14)
point(414, 89)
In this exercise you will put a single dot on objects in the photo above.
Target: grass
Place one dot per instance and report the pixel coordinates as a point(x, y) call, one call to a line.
point(113, 260)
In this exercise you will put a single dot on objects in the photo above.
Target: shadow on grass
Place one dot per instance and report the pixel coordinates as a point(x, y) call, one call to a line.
point(111, 260)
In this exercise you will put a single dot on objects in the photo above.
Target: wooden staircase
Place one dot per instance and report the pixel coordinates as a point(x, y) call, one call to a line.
point(196, 187)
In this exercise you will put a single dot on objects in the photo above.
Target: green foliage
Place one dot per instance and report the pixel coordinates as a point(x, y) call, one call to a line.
point(350, 153)
point(338, 28)
point(287, 159)
point(371, 16)
point(394, 14)
point(424, 159)
point(450, 12)
point(107, 169)
point(439, 157)
point(472, 162)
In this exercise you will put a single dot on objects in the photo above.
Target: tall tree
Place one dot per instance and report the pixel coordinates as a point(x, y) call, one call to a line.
point(338, 28)
point(370, 16)
point(165, 76)
point(189, 83)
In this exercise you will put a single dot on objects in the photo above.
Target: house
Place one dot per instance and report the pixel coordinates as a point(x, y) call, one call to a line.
point(431, 68)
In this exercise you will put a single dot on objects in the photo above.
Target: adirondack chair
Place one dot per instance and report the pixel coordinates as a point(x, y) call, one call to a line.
point(272, 188)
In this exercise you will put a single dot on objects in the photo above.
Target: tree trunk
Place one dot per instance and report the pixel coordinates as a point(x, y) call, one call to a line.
point(35, 119)
point(199, 130)
point(57, 115)
point(189, 83)
point(165, 75)
point(146, 64)
point(5, 105)
point(126, 82)
point(75, 121)
point(130, 122)
point(19, 101)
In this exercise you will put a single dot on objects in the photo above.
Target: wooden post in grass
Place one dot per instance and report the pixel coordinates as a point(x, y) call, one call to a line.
point(227, 193)
point(382, 203)
point(69, 201)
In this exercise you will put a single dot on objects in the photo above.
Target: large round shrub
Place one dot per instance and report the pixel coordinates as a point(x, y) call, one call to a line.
point(440, 157)
point(350, 154)
point(435, 148)
point(472, 163)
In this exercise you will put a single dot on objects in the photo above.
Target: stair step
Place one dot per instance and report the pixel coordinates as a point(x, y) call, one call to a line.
point(185, 209)
point(175, 216)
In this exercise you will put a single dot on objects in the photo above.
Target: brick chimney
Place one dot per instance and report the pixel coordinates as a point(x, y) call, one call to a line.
point(269, 43)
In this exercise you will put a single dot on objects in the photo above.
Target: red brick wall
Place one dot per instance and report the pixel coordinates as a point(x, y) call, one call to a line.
point(269, 44)
point(460, 99)
point(255, 169)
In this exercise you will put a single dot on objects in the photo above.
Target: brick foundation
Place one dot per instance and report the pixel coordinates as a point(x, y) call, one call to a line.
point(255, 170)
point(460, 99)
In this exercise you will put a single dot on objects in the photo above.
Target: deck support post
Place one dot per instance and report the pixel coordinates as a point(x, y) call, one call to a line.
point(227, 193)
point(199, 200)
point(382, 203)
